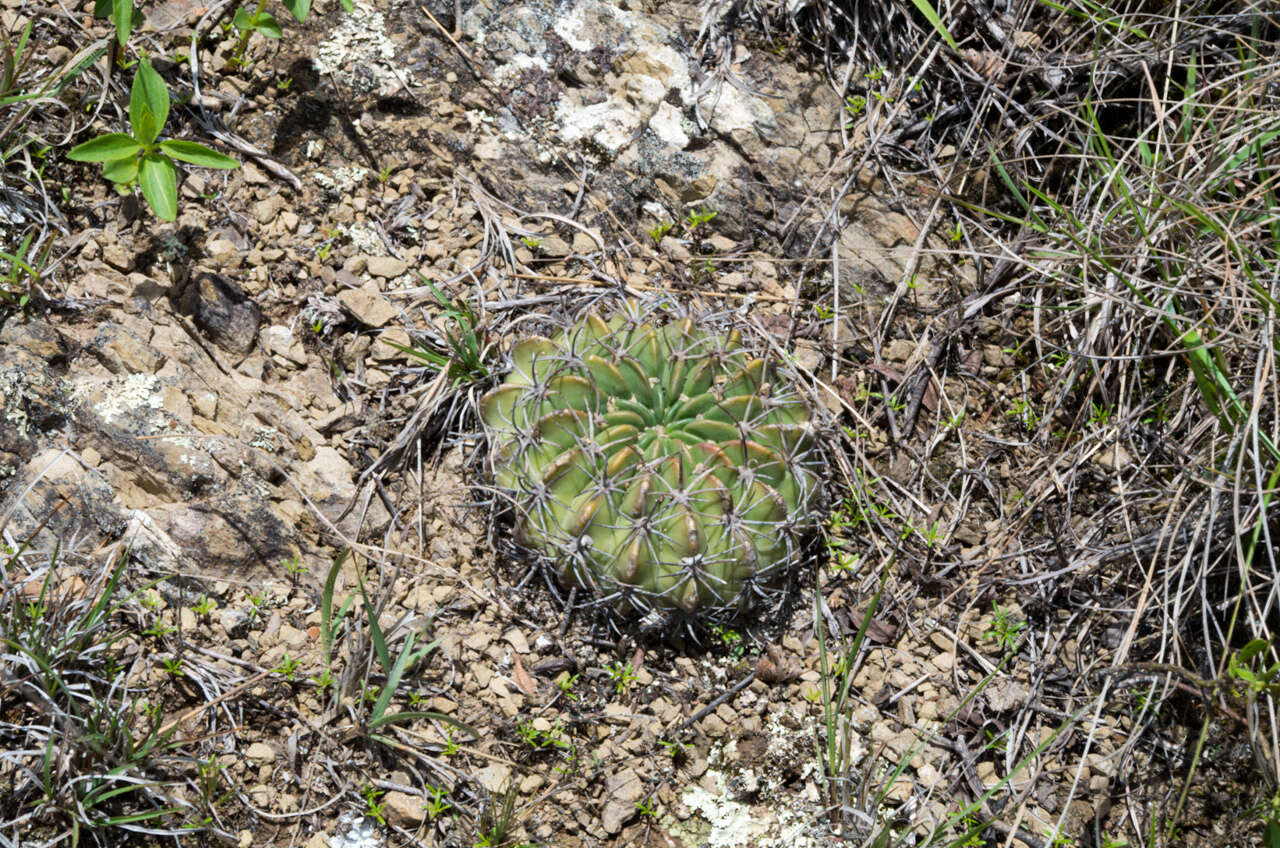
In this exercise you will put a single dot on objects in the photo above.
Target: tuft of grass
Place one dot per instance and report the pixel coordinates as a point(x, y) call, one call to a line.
point(463, 349)
point(83, 748)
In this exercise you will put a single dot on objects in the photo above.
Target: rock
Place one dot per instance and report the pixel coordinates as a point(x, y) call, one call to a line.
point(387, 267)
point(236, 533)
point(261, 752)
point(33, 400)
point(224, 254)
point(368, 305)
point(494, 777)
point(622, 790)
point(36, 338)
point(114, 254)
point(403, 810)
point(123, 352)
point(383, 350)
point(222, 311)
point(266, 210)
point(47, 480)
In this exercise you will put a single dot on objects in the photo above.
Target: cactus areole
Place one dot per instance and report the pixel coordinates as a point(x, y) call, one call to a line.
point(663, 466)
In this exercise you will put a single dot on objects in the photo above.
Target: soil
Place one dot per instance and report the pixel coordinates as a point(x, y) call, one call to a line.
point(228, 398)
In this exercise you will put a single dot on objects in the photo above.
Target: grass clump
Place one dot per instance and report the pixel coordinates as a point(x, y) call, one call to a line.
point(87, 754)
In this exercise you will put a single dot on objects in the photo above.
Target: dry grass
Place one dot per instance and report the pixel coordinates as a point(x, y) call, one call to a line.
point(1122, 217)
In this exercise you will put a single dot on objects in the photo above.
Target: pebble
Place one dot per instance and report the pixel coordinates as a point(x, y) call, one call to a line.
point(261, 752)
point(387, 267)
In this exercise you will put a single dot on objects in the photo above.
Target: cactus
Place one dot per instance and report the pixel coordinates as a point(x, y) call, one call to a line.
point(664, 467)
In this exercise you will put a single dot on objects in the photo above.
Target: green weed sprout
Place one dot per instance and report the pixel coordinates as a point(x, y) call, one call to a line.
point(263, 22)
point(138, 158)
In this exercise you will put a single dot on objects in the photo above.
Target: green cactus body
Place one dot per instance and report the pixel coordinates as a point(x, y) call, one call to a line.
point(664, 467)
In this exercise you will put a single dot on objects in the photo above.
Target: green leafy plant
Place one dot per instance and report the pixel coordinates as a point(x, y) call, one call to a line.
point(622, 675)
point(380, 717)
point(565, 683)
point(676, 750)
point(1005, 630)
point(664, 467)
point(288, 667)
point(435, 805)
point(86, 751)
point(374, 807)
point(660, 229)
point(1250, 673)
point(731, 639)
point(542, 739)
point(497, 818)
point(699, 217)
point(139, 157)
point(124, 17)
point(264, 23)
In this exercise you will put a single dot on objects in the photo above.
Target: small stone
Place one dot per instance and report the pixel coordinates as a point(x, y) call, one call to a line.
point(266, 210)
point(384, 349)
point(368, 305)
point(261, 752)
point(516, 640)
point(253, 174)
point(223, 311)
point(114, 254)
point(622, 790)
point(223, 253)
point(403, 810)
point(714, 726)
point(387, 267)
point(289, 221)
point(293, 638)
point(494, 777)
point(205, 404)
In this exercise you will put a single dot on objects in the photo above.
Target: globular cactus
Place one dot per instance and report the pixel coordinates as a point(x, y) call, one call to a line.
point(664, 467)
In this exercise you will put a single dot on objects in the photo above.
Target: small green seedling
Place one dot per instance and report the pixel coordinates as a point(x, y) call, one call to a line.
point(697, 217)
point(435, 805)
point(263, 22)
point(663, 227)
point(373, 808)
point(288, 668)
point(565, 683)
point(137, 158)
point(731, 639)
point(1004, 629)
point(675, 750)
point(622, 675)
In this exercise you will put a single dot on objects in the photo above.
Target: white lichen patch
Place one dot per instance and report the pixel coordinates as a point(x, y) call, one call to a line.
point(124, 395)
point(360, 54)
point(342, 180)
point(266, 439)
point(732, 824)
point(520, 63)
point(366, 240)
